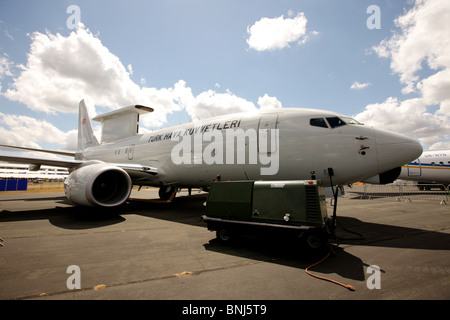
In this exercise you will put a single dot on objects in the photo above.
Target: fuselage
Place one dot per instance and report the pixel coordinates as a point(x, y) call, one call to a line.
point(282, 144)
point(430, 167)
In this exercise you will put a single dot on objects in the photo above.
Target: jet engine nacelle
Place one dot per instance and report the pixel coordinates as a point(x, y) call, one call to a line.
point(96, 183)
point(385, 177)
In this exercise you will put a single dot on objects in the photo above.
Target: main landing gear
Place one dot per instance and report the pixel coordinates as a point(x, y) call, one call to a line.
point(167, 193)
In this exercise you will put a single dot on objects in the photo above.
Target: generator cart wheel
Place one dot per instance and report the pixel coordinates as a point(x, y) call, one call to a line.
point(314, 240)
point(223, 235)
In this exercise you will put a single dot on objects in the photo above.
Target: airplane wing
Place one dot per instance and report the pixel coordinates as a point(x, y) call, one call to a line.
point(61, 153)
point(136, 171)
point(41, 161)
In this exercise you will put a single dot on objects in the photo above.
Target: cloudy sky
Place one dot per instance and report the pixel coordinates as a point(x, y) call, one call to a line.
point(388, 65)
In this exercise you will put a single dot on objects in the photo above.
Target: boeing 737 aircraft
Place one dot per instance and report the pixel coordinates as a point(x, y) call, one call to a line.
point(430, 167)
point(282, 144)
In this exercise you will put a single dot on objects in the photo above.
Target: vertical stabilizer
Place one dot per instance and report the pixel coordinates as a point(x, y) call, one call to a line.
point(86, 136)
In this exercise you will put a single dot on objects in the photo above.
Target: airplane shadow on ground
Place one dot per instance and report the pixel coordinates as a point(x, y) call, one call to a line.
point(188, 210)
point(74, 218)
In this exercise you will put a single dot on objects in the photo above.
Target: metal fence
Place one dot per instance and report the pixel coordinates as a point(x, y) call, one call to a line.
point(408, 192)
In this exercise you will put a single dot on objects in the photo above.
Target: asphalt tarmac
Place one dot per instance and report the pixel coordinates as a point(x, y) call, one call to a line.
point(163, 251)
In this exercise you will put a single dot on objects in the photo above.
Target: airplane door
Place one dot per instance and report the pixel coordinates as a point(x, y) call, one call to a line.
point(416, 170)
point(267, 141)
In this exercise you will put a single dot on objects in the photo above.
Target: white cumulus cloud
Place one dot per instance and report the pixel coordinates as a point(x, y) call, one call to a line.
point(358, 86)
point(210, 103)
point(26, 131)
point(5, 65)
point(266, 102)
point(422, 39)
point(62, 70)
point(409, 117)
point(277, 33)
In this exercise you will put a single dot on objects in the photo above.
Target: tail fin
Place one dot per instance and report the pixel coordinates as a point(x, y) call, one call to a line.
point(86, 136)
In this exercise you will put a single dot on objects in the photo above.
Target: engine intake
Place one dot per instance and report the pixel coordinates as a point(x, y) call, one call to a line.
point(98, 184)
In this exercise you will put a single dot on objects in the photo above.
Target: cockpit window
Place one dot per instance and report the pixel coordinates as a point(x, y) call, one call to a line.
point(335, 122)
point(349, 120)
point(318, 122)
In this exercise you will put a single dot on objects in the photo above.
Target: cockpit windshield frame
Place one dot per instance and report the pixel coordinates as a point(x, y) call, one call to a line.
point(333, 122)
point(352, 121)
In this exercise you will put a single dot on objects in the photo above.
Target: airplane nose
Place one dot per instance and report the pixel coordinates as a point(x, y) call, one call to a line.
point(395, 150)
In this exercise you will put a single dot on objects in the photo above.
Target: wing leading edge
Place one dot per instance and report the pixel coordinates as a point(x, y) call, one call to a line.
point(41, 161)
point(136, 171)
point(61, 153)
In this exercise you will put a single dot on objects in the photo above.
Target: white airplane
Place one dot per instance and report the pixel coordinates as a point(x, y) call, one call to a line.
point(432, 167)
point(282, 144)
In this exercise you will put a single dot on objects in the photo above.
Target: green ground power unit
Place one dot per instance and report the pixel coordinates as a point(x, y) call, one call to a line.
point(295, 207)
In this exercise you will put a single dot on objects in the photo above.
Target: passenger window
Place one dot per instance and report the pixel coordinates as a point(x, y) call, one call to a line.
point(318, 122)
point(335, 122)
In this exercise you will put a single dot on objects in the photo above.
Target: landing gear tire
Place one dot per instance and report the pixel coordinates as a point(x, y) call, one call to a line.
point(165, 192)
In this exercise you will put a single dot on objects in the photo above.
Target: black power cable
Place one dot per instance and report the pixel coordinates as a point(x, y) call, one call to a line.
point(334, 222)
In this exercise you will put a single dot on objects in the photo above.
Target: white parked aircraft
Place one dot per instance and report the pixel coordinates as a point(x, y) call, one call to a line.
point(430, 167)
point(282, 144)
